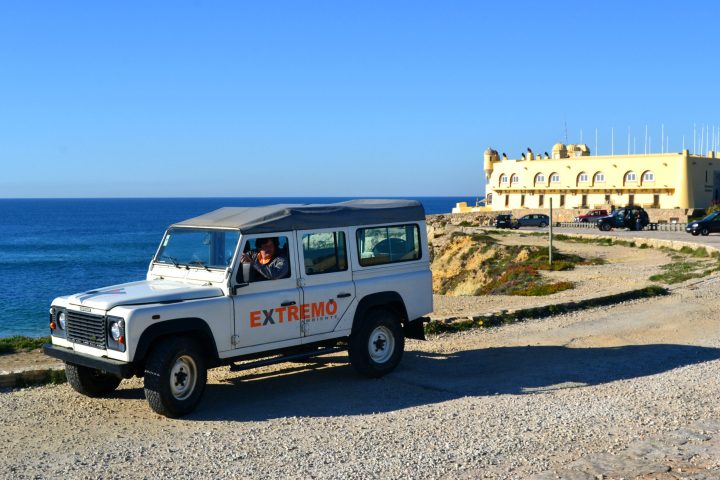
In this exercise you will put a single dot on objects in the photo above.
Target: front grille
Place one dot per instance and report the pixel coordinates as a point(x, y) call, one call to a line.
point(87, 329)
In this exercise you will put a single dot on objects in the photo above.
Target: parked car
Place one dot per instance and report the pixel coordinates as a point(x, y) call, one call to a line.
point(591, 216)
point(258, 285)
point(534, 220)
point(506, 221)
point(624, 218)
point(706, 226)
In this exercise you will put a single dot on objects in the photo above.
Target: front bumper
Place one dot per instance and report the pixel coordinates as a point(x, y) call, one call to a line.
point(109, 365)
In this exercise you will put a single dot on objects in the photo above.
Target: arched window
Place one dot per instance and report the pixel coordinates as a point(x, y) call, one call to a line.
point(503, 178)
point(582, 178)
point(514, 179)
point(648, 177)
point(554, 178)
point(630, 177)
point(539, 179)
point(599, 177)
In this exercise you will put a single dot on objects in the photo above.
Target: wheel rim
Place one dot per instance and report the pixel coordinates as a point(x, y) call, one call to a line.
point(381, 344)
point(183, 377)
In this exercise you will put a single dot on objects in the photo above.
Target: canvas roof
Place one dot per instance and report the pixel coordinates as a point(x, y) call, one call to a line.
point(284, 217)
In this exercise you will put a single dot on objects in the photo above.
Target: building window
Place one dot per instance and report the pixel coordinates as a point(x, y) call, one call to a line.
point(539, 179)
point(507, 200)
point(607, 199)
point(562, 200)
point(648, 176)
point(656, 201)
point(630, 177)
point(541, 200)
point(599, 177)
point(514, 179)
point(583, 177)
point(522, 200)
point(584, 201)
point(503, 178)
point(631, 199)
point(554, 178)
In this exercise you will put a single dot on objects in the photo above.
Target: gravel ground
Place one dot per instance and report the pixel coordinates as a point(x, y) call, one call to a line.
point(625, 391)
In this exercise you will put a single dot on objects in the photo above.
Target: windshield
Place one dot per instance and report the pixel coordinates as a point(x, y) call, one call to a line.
point(198, 247)
point(710, 217)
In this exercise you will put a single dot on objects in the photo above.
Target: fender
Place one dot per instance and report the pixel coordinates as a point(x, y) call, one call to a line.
point(393, 301)
point(195, 326)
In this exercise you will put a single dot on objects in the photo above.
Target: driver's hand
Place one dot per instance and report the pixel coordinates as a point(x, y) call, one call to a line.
point(245, 258)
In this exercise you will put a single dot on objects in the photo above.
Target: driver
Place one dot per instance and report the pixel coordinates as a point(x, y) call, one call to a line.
point(266, 263)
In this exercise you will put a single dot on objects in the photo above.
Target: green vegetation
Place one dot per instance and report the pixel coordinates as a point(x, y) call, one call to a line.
point(509, 270)
point(21, 344)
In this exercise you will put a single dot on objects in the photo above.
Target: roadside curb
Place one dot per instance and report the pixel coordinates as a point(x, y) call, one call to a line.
point(32, 376)
point(453, 324)
point(650, 242)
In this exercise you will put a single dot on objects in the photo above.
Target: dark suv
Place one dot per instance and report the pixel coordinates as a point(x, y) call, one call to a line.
point(706, 226)
point(534, 220)
point(624, 218)
point(506, 221)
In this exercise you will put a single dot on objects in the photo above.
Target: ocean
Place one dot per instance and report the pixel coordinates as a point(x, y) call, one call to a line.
point(53, 247)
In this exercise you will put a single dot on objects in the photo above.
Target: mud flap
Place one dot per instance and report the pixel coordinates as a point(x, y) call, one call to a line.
point(416, 328)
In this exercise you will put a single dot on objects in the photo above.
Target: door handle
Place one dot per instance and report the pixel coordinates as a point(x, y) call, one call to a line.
point(287, 304)
point(344, 295)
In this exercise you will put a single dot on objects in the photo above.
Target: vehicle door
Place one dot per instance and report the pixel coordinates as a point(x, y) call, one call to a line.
point(327, 287)
point(267, 310)
point(715, 224)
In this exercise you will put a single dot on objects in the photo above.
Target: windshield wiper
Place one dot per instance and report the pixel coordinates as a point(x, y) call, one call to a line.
point(173, 260)
point(199, 264)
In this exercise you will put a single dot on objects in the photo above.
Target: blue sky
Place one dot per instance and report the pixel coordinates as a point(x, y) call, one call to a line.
point(333, 98)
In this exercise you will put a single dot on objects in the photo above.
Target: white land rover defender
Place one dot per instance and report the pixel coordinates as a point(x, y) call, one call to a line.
point(258, 286)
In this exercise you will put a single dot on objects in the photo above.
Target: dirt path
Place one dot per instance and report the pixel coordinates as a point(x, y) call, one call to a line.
point(625, 391)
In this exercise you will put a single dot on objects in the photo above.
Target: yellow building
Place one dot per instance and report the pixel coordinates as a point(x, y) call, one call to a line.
point(575, 179)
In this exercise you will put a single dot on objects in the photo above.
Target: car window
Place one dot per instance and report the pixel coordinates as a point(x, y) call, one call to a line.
point(381, 245)
point(265, 258)
point(324, 252)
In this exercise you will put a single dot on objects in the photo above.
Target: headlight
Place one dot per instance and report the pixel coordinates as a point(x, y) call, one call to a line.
point(694, 224)
point(117, 330)
point(62, 319)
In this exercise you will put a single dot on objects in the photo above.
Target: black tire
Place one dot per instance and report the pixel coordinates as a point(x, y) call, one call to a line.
point(542, 225)
point(695, 233)
point(89, 381)
point(175, 377)
point(705, 232)
point(605, 227)
point(384, 327)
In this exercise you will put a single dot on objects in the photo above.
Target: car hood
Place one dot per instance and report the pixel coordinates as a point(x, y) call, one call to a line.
point(138, 293)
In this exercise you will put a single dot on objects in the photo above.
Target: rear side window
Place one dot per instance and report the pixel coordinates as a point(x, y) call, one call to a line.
point(324, 252)
point(382, 245)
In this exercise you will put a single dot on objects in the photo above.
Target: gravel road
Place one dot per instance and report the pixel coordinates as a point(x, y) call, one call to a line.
point(626, 391)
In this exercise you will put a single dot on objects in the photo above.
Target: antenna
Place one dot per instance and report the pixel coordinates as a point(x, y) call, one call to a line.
point(662, 138)
point(596, 143)
point(566, 141)
point(628, 140)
